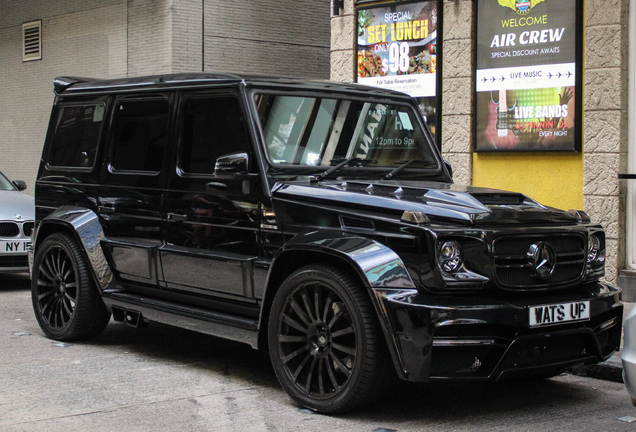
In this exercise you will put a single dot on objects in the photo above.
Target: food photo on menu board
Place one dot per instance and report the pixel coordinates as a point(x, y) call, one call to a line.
point(528, 75)
point(396, 47)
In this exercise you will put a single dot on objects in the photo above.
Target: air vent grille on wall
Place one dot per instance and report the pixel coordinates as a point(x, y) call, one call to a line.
point(32, 41)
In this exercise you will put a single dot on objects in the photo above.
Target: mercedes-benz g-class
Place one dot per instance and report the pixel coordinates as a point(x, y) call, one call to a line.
point(314, 220)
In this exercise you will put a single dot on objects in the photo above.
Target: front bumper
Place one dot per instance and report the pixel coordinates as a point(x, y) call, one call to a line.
point(17, 263)
point(479, 338)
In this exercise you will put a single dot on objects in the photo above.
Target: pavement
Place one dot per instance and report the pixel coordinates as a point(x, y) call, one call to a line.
point(163, 378)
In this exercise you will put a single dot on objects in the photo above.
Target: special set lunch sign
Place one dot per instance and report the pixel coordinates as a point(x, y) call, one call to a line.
point(397, 47)
point(528, 77)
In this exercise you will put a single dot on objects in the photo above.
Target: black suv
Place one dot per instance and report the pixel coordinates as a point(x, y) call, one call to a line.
point(310, 219)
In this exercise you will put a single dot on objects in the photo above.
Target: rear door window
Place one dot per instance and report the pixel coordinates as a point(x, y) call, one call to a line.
point(141, 128)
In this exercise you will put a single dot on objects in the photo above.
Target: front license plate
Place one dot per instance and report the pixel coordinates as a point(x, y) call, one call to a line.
point(559, 313)
point(14, 246)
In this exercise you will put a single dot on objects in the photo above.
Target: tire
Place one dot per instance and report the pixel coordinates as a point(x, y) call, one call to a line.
point(325, 342)
point(65, 299)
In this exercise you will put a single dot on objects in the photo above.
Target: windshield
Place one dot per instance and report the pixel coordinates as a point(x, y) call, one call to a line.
point(322, 132)
point(5, 184)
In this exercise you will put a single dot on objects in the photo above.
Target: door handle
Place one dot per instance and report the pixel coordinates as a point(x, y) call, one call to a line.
point(177, 217)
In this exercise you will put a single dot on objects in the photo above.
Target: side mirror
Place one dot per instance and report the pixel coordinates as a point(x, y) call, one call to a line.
point(449, 168)
point(20, 184)
point(229, 164)
point(233, 166)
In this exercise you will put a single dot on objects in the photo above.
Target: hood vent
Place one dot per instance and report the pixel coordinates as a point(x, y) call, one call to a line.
point(348, 222)
point(505, 199)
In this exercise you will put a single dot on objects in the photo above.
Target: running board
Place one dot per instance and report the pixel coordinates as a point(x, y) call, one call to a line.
point(124, 305)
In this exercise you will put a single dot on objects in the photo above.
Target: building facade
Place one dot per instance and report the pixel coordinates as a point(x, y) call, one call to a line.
point(585, 179)
point(120, 38)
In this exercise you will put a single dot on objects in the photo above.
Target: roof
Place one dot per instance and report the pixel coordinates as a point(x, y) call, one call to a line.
point(68, 86)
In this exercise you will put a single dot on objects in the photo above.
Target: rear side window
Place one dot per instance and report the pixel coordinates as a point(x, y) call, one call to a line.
point(77, 130)
point(141, 128)
point(212, 126)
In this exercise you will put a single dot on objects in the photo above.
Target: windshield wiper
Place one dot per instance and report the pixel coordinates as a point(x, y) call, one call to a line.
point(405, 163)
point(336, 167)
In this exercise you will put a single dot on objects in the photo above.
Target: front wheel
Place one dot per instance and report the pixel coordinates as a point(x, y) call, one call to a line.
point(65, 299)
point(325, 342)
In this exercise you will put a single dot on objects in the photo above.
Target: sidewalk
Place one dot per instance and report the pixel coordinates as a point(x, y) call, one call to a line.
point(611, 369)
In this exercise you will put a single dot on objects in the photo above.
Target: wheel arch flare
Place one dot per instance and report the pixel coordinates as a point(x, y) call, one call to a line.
point(85, 227)
point(377, 266)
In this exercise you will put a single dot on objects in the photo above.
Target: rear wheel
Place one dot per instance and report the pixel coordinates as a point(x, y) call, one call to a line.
point(325, 342)
point(65, 299)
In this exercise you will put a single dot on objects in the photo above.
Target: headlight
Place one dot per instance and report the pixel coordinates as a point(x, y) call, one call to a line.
point(595, 255)
point(595, 251)
point(453, 257)
point(450, 256)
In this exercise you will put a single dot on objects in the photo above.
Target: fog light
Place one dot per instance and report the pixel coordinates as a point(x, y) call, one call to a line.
point(450, 257)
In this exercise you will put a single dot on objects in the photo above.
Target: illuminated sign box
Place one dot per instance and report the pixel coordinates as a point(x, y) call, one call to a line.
point(397, 49)
point(528, 75)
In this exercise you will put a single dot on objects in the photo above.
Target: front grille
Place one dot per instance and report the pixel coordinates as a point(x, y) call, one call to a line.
point(9, 229)
point(27, 228)
point(514, 268)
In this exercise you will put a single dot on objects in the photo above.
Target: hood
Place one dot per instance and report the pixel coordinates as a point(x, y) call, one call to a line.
point(14, 202)
point(442, 202)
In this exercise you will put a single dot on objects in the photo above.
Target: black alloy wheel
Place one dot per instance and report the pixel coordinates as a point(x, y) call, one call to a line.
point(325, 342)
point(65, 300)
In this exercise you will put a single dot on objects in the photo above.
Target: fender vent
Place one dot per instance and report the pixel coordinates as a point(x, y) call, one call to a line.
point(347, 222)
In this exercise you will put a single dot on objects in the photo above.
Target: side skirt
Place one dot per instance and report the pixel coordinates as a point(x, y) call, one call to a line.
point(135, 310)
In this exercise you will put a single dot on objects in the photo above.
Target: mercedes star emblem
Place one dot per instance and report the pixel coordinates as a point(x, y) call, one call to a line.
point(542, 258)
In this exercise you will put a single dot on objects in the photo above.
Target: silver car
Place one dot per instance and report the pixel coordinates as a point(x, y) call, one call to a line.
point(628, 354)
point(17, 213)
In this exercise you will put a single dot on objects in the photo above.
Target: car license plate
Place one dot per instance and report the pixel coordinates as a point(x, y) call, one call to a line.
point(14, 246)
point(559, 313)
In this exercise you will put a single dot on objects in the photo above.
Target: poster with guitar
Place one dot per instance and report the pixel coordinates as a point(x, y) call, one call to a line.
point(528, 75)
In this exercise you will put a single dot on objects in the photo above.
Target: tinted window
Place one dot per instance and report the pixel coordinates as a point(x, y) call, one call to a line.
point(212, 126)
point(311, 131)
point(74, 142)
point(140, 135)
